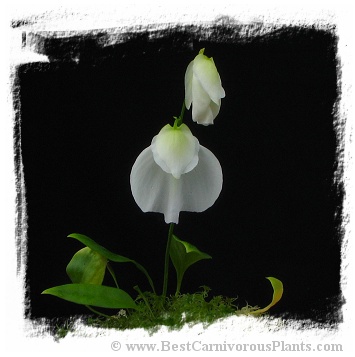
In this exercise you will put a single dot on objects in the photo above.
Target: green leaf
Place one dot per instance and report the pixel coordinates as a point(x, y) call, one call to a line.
point(93, 295)
point(87, 267)
point(109, 255)
point(183, 255)
point(98, 248)
point(276, 297)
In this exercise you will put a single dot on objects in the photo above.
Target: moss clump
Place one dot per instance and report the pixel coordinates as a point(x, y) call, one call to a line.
point(153, 312)
point(174, 312)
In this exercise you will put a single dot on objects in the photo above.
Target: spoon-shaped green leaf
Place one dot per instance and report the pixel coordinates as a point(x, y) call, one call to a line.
point(87, 267)
point(109, 255)
point(278, 291)
point(183, 255)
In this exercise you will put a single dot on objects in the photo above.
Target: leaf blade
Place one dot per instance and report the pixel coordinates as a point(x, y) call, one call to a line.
point(110, 255)
point(276, 297)
point(93, 295)
point(87, 267)
point(183, 255)
point(100, 249)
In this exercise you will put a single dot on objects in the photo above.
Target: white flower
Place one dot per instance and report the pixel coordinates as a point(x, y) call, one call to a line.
point(175, 174)
point(203, 89)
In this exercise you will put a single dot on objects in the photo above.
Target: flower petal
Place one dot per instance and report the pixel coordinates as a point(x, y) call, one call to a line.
point(157, 191)
point(215, 107)
point(175, 149)
point(201, 102)
point(202, 115)
point(188, 85)
point(205, 70)
point(202, 186)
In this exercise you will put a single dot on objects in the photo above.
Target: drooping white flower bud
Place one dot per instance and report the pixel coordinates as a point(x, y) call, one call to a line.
point(203, 89)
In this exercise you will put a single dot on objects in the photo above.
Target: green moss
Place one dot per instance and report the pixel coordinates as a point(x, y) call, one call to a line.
point(174, 312)
point(61, 328)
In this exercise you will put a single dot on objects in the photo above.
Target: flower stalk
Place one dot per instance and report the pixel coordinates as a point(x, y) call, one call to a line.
point(178, 122)
point(166, 263)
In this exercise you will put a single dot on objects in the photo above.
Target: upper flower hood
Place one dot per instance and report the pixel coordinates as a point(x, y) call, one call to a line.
point(203, 89)
point(175, 149)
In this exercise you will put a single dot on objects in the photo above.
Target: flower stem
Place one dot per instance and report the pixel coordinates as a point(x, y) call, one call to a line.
point(178, 121)
point(166, 265)
point(182, 111)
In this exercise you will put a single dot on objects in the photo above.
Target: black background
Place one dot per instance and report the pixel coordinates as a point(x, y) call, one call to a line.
point(86, 116)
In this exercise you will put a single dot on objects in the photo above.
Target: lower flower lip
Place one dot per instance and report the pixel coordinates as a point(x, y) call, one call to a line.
point(154, 190)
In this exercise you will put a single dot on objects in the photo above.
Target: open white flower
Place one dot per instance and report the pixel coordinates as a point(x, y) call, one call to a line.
point(203, 89)
point(175, 174)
